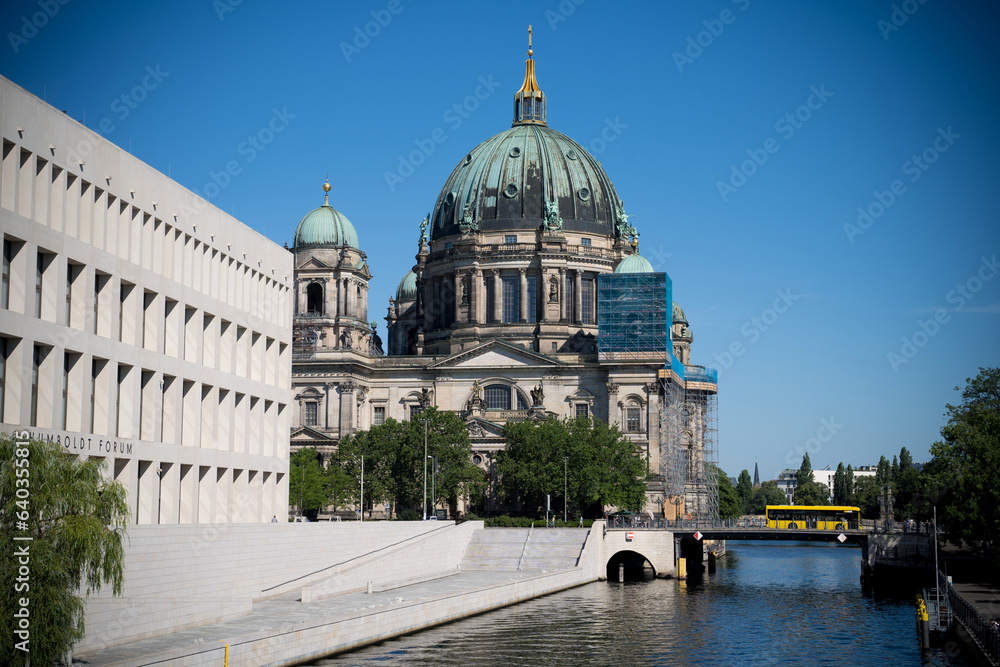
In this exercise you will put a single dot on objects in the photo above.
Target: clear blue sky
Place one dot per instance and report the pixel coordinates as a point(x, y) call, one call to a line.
point(919, 84)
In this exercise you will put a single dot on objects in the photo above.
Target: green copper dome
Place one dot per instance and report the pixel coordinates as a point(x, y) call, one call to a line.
point(407, 290)
point(678, 315)
point(634, 264)
point(325, 226)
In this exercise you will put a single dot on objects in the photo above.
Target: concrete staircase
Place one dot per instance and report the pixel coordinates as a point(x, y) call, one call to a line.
point(497, 549)
point(524, 549)
point(553, 549)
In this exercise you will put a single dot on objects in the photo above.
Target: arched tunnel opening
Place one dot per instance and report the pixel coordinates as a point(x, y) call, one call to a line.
point(629, 566)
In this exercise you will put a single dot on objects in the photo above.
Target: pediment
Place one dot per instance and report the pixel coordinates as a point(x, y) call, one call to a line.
point(496, 354)
point(302, 434)
point(481, 428)
point(313, 263)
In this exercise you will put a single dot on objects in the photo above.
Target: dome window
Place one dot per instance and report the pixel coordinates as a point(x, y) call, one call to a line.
point(510, 191)
point(515, 152)
point(571, 154)
point(468, 158)
point(449, 200)
point(583, 193)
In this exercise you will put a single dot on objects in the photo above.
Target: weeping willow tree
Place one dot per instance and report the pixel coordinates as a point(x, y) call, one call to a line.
point(61, 526)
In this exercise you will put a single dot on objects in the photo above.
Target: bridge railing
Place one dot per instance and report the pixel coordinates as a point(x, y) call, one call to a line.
point(645, 522)
point(977, 626)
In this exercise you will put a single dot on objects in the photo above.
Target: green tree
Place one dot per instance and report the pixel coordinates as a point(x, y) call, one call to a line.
point(307, 482)
point(767, 494)
point(882, 472)
point(730, 505)
point(906, 485)
point(866, 496)
point(807, 490)
point(744, 489)
point(961, 478)
point(840, 495)
point(849, 481)
point(602, 466)
point(76, 522)
point(395, 463)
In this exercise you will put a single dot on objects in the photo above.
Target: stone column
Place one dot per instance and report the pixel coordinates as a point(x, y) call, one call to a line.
point(436, 304)
point(341, 296)
point(458, 296)
point(474, 281)
point(563, 315)
point(497, 296)
point(543, 295)
point(352, 297)
point(347, 390)
point(653, 425)
point(577, 297)
point(523, 315)
point(613, 403)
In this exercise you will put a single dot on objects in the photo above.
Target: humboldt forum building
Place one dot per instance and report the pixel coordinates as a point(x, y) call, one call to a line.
point(528, 299)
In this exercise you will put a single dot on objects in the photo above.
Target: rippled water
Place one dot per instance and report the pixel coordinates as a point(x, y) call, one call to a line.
point(776, 604)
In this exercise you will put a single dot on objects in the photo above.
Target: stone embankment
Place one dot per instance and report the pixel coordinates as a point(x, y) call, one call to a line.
point(396, 578)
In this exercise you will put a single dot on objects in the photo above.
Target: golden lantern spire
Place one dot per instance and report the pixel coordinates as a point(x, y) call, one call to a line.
point(529, 101)
point(326, 189)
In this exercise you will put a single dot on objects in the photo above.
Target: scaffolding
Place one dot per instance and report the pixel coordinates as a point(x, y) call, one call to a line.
point(632, 316)
point(689, 455)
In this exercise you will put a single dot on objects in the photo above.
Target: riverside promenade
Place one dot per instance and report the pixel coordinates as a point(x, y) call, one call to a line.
point(500, 567)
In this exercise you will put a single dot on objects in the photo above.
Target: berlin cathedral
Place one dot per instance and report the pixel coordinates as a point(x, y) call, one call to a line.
point(528, 298)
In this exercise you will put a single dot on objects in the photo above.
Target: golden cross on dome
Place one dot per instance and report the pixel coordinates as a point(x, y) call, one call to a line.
point(529, 41)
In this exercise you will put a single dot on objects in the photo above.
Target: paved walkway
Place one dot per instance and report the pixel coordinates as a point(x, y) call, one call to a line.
point(286, 615)
point(984, 597)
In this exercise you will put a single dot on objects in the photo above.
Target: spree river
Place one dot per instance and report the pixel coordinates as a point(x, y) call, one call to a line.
point(775, 604)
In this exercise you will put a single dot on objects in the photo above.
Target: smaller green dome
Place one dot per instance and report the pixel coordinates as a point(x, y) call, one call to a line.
point(407, 290)
point(634, 264)
point(679, 317)
point(325, 226)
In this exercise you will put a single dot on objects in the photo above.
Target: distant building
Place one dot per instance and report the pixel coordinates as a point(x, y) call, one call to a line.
point(140, 324)
point(788, 479)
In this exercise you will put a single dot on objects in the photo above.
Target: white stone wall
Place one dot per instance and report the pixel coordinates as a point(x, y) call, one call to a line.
point(140, 324)
point(179, 576)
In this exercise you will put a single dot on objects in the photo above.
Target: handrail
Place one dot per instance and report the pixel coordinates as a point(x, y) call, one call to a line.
point(977, 626)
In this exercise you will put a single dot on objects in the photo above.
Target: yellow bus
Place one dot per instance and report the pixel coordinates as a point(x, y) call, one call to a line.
point(812, 517)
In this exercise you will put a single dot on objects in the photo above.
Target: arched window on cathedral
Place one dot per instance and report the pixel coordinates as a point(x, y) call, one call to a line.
point(314, 299)
point(500, 397)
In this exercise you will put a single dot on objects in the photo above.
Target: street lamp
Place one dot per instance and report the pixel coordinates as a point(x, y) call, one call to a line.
point(433, 484)
point(424, 500)
point(565, 484)
point(362, 487)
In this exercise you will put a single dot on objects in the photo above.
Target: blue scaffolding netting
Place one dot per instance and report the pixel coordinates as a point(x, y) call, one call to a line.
point(632, 316)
